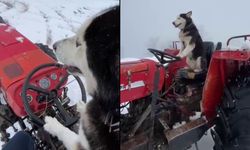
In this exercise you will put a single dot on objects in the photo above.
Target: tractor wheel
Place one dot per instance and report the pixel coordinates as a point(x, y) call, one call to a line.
point(232, 129)
point(47, 50)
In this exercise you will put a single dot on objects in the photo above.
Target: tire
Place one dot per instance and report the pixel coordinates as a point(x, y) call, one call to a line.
point(47, 50)
point(233, 129)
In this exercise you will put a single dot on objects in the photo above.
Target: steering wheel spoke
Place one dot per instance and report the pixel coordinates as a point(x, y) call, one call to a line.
point(68, 120)
point(53, 96)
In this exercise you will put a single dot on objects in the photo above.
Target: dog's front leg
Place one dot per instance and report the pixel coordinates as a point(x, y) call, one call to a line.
point(68, 137)
point(81, 107)
point(186, 51)
point(182, 48)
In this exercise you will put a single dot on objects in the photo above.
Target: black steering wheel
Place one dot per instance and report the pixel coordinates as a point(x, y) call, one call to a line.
point(163, 57)
point(50, 96)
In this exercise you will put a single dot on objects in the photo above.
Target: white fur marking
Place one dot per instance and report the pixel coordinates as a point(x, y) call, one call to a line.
point(69, 54)
point(194, 64)
point(69, 138)
point(180, 22)
point(82, 108)
point(187, 50)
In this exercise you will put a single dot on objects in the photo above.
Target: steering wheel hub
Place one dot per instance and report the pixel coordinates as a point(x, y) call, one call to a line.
point(52, 95)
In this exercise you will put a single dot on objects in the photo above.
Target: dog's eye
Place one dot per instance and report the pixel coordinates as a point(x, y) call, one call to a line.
point(78, 44)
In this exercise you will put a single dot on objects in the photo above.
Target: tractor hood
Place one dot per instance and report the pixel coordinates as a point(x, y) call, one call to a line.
point(18, 56)
point(136, 79)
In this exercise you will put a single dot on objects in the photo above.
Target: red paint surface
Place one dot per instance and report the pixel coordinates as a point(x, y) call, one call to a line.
point(27, 56)
point(142, 70)
point(223, 64)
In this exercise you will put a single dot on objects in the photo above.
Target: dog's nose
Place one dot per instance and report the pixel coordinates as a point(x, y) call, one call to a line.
point(173, 23)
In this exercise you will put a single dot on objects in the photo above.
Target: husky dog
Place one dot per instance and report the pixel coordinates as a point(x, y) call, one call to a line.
point(192, 44)
point(95, 51)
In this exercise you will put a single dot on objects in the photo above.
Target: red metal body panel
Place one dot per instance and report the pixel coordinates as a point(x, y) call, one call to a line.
point(14, 92)
point(16, 49)
point(18, 57)
point(223, 65)
point(136, 79)
point(13, 43)
point(27, 61)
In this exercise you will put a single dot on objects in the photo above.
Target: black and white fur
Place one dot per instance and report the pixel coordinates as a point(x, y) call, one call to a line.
point(192, 44)
point(95, 51)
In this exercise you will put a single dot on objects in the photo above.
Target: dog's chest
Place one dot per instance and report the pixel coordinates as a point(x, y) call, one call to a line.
point(182, 36)
point(185, 39)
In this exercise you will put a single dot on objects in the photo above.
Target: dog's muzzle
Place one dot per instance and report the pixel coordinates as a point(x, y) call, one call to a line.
point(176, 25)
point(71, 69)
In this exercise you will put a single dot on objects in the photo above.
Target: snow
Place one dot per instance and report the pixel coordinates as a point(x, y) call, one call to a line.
point(128, 59)
point(46, 21)
point(246, 45)
point(9, 29)
point(20, 39)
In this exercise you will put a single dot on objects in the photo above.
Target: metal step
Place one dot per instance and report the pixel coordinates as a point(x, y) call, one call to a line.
point(182, 137)
point(138, 142)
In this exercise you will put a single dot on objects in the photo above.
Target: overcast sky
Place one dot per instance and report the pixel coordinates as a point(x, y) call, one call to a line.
point(148, 23)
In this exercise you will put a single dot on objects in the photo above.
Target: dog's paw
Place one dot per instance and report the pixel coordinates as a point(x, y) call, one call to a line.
point(197, 70)
point(179, 55)
point(80, 106)
point(52, 125)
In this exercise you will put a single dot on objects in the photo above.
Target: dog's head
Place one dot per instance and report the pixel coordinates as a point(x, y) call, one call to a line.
point(95, 51)
point(183, 20)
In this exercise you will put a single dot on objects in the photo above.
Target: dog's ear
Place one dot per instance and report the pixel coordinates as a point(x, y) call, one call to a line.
point(189, 14)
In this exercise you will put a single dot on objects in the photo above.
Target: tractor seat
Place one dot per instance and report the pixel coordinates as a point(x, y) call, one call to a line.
point(209, 48)
point(198, 77)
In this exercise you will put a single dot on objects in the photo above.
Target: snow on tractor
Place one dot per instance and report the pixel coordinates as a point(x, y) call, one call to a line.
point(159, 113)
point(33, 85)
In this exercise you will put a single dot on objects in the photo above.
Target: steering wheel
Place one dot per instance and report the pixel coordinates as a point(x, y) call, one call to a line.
point(50, 96)
point(163, 57)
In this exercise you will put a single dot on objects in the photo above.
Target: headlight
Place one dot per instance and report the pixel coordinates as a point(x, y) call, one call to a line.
point(44, 83)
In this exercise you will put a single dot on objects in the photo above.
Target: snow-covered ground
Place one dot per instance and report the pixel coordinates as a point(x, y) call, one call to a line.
point(46, 21)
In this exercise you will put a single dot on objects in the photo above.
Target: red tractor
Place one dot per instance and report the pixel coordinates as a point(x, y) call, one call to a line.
point(157, 113)
point(33, 85)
